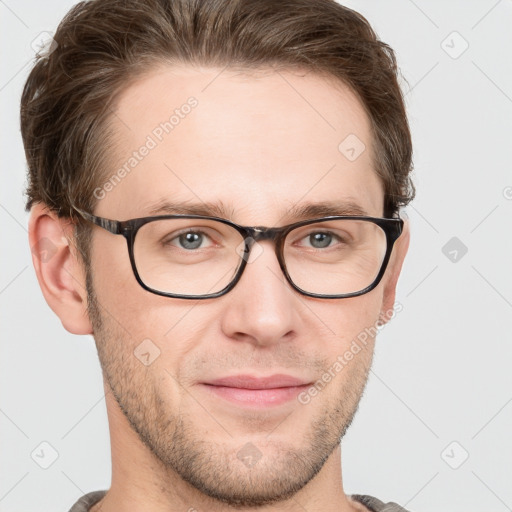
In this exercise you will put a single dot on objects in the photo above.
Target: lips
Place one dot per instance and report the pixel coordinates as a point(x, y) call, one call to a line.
point(249, 391)
point(252, 382)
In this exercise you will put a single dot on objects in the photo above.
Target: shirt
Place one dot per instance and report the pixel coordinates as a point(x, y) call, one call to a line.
point(371, 503)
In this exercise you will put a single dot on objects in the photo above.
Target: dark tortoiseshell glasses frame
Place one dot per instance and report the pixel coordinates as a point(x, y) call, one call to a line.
point(392, 228)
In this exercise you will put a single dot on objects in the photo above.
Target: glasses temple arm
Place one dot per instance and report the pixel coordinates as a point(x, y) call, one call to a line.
point(110, 225)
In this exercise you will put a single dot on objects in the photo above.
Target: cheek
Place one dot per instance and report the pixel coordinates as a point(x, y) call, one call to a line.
point(123, 303)
point(345, 319)
point(166, 329)
point(117, 289)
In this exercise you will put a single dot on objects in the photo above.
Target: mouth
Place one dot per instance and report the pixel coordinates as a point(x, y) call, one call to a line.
point(256, 392)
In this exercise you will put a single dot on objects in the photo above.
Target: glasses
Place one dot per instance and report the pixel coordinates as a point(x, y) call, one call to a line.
point(199, 257)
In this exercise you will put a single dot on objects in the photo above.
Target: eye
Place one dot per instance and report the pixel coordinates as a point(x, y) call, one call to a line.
point(189, 240)
point(320, 240)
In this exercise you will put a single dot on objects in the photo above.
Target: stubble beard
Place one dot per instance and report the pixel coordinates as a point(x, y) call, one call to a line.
point(216, 469)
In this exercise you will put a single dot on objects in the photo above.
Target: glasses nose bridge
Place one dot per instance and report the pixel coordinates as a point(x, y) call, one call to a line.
point(262, 233)
point(257, 234)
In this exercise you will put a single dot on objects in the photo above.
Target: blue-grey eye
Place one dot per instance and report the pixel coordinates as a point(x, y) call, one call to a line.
point(320, 240)
point(191, 240)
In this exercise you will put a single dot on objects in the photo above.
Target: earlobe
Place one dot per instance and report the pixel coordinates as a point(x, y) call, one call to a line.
point(59, 271)
point(393, 272)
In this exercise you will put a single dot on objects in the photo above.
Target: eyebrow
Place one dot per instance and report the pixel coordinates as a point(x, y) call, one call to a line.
point(296, 212)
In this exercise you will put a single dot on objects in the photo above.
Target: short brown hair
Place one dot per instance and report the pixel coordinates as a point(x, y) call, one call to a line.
point(102, 45)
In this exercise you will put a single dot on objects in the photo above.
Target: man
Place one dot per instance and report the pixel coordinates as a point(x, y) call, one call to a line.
point(220, 182)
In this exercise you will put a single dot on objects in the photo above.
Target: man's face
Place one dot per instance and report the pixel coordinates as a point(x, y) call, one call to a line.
point(259, 145)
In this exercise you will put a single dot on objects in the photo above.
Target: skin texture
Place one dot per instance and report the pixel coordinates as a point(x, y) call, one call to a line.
point(259, 143)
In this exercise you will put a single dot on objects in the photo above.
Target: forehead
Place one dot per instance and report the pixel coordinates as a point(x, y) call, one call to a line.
point(260, 143)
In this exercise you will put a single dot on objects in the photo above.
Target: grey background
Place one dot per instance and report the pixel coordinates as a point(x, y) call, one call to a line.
point(441, 385)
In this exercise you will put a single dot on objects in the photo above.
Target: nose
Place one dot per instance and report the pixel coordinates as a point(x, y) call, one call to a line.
point(262, 308)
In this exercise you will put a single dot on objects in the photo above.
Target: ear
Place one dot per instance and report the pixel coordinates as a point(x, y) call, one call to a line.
point(59, 270)
point(393, 272)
